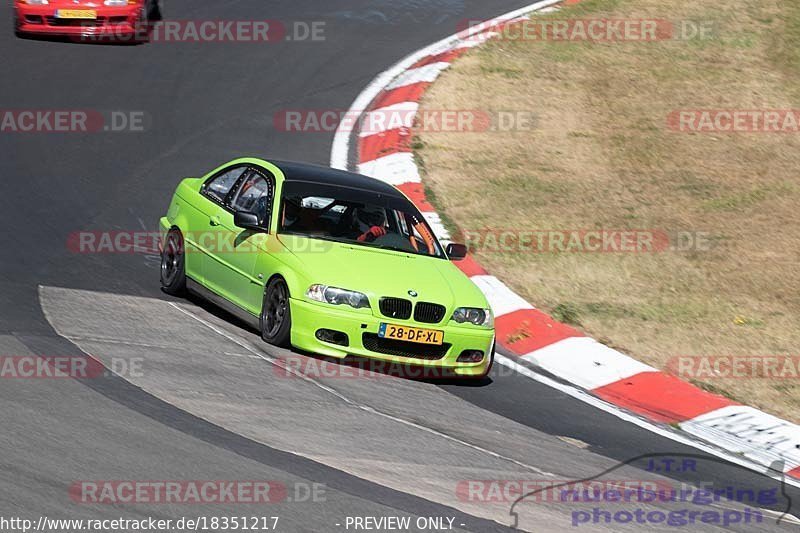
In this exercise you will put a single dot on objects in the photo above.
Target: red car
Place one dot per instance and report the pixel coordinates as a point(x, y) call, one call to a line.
point(84, 18)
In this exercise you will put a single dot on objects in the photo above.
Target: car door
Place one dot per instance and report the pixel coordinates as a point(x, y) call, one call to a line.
point(204, 219)
point(232, 269)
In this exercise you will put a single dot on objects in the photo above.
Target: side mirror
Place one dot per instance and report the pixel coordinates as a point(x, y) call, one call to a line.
point(456, 252)
point(246, 220)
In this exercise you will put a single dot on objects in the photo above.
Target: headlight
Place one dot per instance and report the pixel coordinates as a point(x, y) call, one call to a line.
point(473, 315)
point(36, 2)
point(118, 3)
point(335, 296)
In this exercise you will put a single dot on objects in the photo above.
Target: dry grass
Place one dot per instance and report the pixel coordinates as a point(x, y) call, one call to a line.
point(601, 156)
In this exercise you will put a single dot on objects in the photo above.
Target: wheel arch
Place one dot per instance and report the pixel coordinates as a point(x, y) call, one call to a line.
point(290, 279)
point(295, 282)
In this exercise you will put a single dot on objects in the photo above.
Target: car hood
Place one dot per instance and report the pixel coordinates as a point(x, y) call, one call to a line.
point(377, 272)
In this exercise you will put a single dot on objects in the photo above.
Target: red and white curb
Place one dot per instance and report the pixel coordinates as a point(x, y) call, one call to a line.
point(522, 330)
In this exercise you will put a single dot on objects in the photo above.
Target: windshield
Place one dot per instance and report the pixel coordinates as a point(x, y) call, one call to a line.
point(355, 216)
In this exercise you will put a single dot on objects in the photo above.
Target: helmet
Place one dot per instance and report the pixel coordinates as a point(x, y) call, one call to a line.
point(370, 215)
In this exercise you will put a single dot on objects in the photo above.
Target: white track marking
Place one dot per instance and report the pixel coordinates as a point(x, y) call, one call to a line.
point(586, 362)
point(755, 434)
point(427, 73)
point(387, 118)
point(393, 169)
point(476, 40)
point(435, 222)
point(502, 300)
point(356, 404)
point(247, 355)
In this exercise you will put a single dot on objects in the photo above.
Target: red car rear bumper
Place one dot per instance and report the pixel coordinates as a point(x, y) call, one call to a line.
point(110, 21)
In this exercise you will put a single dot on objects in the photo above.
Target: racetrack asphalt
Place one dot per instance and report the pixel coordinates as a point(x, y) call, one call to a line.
point(205, 104)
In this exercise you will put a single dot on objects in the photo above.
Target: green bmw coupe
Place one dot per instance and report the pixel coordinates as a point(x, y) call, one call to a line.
point(327, 261)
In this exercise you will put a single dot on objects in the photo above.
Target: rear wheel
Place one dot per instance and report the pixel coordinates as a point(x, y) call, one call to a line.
point(173, 264)
point(276, 316)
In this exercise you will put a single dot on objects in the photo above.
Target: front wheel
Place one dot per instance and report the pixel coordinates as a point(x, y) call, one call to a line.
point(17, 32)
point(155, 11)
point(143, 25)
point(276, 316)
point(173, 264)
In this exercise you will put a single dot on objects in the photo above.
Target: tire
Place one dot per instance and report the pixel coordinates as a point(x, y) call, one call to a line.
point(141, 29)
point(155, 12)
point(276, 314)
point(173, 264)
point(17, 33)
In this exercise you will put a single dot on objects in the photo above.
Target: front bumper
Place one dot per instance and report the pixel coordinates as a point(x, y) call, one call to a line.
point(110, 22)
point(308, 318)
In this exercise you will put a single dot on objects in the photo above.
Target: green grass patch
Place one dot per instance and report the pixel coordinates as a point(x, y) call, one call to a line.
point(567, 313)
point(502, 71)
point(739, 200)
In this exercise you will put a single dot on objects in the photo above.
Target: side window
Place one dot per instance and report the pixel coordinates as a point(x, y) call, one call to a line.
point(255, 196)
point(219, 187)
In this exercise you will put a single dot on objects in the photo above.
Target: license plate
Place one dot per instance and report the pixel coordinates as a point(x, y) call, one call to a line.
point(82, 14)
point(406, 333)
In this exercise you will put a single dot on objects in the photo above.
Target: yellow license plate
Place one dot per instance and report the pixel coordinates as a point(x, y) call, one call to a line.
point(82, 14)
point(406, 333)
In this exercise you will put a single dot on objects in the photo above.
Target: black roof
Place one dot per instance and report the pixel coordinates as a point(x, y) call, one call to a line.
point(330, 176)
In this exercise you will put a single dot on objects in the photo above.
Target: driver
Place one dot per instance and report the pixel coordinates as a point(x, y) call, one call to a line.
point(371, 222)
